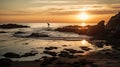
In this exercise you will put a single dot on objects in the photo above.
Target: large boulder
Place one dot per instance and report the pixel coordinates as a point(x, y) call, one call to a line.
point(114, 22)
point(97, 30)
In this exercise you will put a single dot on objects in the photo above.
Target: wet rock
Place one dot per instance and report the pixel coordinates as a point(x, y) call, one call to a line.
point(100, 45)
point(48, 60)
point(50, 48)
point(38, 35)
point(82, 63)
point(37, 60)
point(50, 53)
point(11, 55)
point(3, 32)
point(63, 64)
point(25, 43)
point(73, 51)
point(72, 56)
point(5, 62)
point(19, 32)
point(44, 57)
point(85, 48)
point(29, 54)
point(11, 26)
point(64, 54)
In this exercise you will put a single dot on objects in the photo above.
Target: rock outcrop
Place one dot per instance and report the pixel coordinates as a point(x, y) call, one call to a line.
point(113, 27)
point(11, 26)
point(74, 29)
point(97, 30)
point(114, 22)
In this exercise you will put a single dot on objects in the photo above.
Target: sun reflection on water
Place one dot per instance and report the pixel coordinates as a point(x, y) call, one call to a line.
point(85, 43)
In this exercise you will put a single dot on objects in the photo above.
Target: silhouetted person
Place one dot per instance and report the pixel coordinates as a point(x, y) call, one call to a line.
point(48, 25)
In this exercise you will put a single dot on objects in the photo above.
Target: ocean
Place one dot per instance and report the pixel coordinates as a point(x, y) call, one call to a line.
point(36, 25)
point(16, 43)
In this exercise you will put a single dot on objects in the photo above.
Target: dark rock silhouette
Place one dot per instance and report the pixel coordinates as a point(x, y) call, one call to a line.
point(97, 30)
point(73, 51)
point(64, 54)
point(29, 54)
point(114, 22)
point(50, 48)
point(75, 29)
point(19, 32)
point(85, 48)
point(11, 55)
point(11, 26)
point(5, 62)
point(3, 32)
point(38, 35)
point(113, 27)
point(50, 53)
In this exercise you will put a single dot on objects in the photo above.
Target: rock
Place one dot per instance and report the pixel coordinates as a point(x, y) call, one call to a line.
point(64, 54)
point(97, 30)
point(5, 62)
point(100, 45)
point(82, 63)
point(29, 54)
point(25, 43)
point(113, 27)
point(19, 32)
point(11, 55)
point(73, 51)
point(50, 48)
point(48, 60)
point(114, 23)
point(3, 32)
point(44, 57)
point(72, 56)
point(11, 26)
point(85, 48)
point(50, 53)
point(38, 35)
point(75, 29)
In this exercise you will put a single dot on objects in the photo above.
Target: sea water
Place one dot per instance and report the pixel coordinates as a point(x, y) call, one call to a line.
point(19, 45)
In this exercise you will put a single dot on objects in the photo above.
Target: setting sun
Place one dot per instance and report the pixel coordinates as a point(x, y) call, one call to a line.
point(83, 16)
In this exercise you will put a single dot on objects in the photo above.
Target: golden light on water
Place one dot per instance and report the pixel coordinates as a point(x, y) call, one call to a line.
point(85, 43)
point(83, 24)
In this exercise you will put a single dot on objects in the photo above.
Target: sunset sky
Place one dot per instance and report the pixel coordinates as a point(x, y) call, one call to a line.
point(57, 10)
